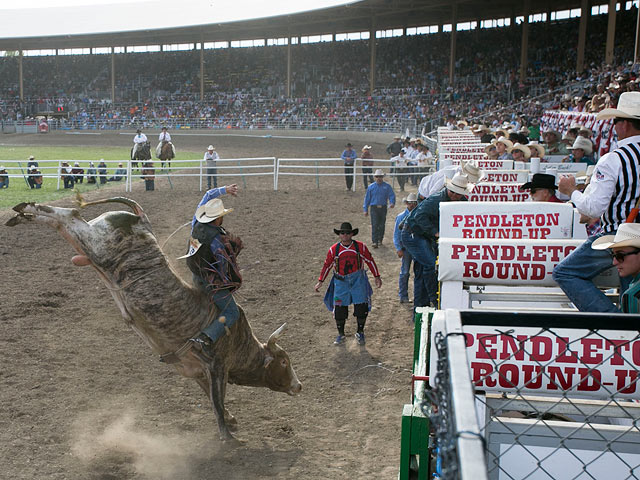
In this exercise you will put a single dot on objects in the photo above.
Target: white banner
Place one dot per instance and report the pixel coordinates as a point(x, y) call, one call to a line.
point(491, 164)
point(498, 192)
point(506, 176)
point(528, 220)
point(595, 365)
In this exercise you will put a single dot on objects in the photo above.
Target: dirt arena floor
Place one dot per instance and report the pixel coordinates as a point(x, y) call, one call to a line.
point(84, 398)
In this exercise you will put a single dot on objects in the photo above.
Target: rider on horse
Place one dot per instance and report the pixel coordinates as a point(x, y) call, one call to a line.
point(165, 149)
point(140, 143)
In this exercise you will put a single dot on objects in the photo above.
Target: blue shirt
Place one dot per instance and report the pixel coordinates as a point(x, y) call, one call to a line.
point(210, 195)
point(396, 231)
point(378, 194)
point(348, 156)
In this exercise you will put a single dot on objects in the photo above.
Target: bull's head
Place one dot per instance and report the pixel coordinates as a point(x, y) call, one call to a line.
point(279, 376)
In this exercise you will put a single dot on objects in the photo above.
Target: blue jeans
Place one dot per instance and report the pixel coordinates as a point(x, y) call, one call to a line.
point(403, 279)
point(378, 218)
point(425, 282)
point(574, 275)
point(212, 173)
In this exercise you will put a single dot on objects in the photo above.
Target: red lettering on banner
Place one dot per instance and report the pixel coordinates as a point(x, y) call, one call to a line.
point(617, 346)
point(563, 348)
point(557, 378)
point(473, 252)
point(457, 249)
point(635, 353)
point(470, 270)
point(621, 385)
point(531, 380)
point(515, 350)
point(538, 251)
point(486, 342)
point(589, 348)
point(481, 372)
point(541, 349)
point(585, 375)
point(456, 220)
point(509, 375)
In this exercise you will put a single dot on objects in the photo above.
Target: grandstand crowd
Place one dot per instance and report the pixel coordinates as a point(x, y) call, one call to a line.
point(245, 87)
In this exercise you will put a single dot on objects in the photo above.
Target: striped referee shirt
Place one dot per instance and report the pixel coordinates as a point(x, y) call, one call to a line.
point(615, 186)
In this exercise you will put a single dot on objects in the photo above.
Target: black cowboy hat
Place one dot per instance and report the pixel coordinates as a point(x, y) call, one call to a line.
point(345, 228)
point(540, 180)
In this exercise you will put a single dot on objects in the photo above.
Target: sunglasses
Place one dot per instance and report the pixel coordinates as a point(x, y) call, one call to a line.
point(619, 256)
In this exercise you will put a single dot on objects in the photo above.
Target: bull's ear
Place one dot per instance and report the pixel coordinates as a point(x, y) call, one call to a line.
point(267, 360)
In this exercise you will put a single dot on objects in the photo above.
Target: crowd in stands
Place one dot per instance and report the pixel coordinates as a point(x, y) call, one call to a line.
point(245, 87)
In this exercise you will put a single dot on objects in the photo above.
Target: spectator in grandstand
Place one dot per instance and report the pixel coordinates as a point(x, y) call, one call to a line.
point(102, 171)
point(552, 143)
point(600, 100)
point(420, 232)
point(624, 248)
point(119, 174)
point(403, 280)
point(520, 153)
point(491, 150)
point(349, 284)
point(399, 168)
point(580, 152)
point(611, 195)
point(78, 173)
point(32, 162)
point(4, 177)
point(35, 177)
point(148, 174)
point(542, 188)
point(66, 172)
point(502, 146)
point(91, 173)
point(367, 163)
point(537, 150)
point(394, 147)
point(378, 195)
point(486, 135)
point(348, 157)
point(211, 157)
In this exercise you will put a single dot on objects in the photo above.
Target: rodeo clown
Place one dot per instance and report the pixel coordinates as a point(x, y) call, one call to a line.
point(212, 258)
point(349, 284)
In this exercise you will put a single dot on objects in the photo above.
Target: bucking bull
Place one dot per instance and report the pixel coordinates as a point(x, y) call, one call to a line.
point(160, 307)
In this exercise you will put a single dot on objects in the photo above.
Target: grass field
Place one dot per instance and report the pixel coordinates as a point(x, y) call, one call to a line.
point(19, 190)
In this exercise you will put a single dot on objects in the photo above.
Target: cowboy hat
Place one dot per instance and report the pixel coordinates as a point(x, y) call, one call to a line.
point(211, 210)
point(472, 171)
point(583, 143)
point(459, 184)
point(628, 235)
point(345, 228)
point(366, 147)
point(411, 198)
point(481, 128)
point(489, 146)
point(540, 180)
point(210, 147)
point(31, 157)
point(521, 148)
point(554, 132)
point(505, 141)
point(539, 148)
point(628, 107)
point(378, 173)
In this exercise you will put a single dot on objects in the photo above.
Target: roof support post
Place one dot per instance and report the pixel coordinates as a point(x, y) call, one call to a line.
point(452, 58)
point(20, 78)
point(524, 57)
point(582, 34)
point(113, 75)
point(372, 55)
point(289, 66)
point(611, 32)
point(201, 71)
point(636, 53)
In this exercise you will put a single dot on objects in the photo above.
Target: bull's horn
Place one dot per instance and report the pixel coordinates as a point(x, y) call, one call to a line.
point(133, 205)
point(275, 335)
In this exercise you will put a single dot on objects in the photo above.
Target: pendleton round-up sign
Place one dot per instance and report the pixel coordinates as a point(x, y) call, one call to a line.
point(488, 164)
point(498, 192)
point(529, 220)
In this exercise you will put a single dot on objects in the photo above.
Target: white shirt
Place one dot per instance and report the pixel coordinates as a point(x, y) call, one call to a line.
point(434, 183)
point(211, 158)
point(164, 137)
point(595, 199)
point(141, 138)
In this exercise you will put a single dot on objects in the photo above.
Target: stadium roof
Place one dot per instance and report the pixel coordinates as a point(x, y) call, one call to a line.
point(349, 17)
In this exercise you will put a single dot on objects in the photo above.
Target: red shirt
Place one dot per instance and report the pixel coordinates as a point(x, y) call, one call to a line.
point(348, 260)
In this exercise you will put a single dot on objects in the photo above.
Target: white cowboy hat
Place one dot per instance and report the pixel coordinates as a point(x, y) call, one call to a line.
point(628, 107)
point(210, 147)
point(504, 140)
point(628, 235)
point(366, 147)
point(459, 184)
point(31, 157)
point(211, 210)
point(1, 167)
point(583, 143)
point(412, 197)
point(378, 173)
point(538, 147)
point(472, 171)
point(522, 148)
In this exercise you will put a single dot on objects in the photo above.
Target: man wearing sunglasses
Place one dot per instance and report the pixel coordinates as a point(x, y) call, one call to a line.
point(624, 248)
point(612, 194)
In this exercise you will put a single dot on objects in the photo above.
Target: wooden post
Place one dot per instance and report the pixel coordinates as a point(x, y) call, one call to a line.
point(113, 75)
point(20, 78)
point(524, 58)
point(201, 71)
point(452, 59)
point(582, 34)
point(372, 52)
point(611, 32)
point(289, 66)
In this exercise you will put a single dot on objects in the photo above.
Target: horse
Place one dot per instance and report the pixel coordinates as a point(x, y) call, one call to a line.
point(165, 152)
point(140, 151)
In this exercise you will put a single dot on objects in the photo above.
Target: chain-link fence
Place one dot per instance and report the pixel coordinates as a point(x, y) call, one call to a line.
point(556, 394)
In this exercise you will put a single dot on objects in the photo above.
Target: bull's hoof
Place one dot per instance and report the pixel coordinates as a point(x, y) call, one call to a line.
point(230, 442)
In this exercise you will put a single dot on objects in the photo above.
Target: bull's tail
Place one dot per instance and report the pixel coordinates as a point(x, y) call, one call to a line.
point(132, 204)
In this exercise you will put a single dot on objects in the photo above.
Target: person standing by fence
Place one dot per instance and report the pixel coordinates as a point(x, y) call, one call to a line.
point(210, 158)
point(35, 177)
point(378, 195)
point(4, 177)
point(367, 163)
point(349, 158)
point(403, 279)
point(148, 174)
point(612, 193)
